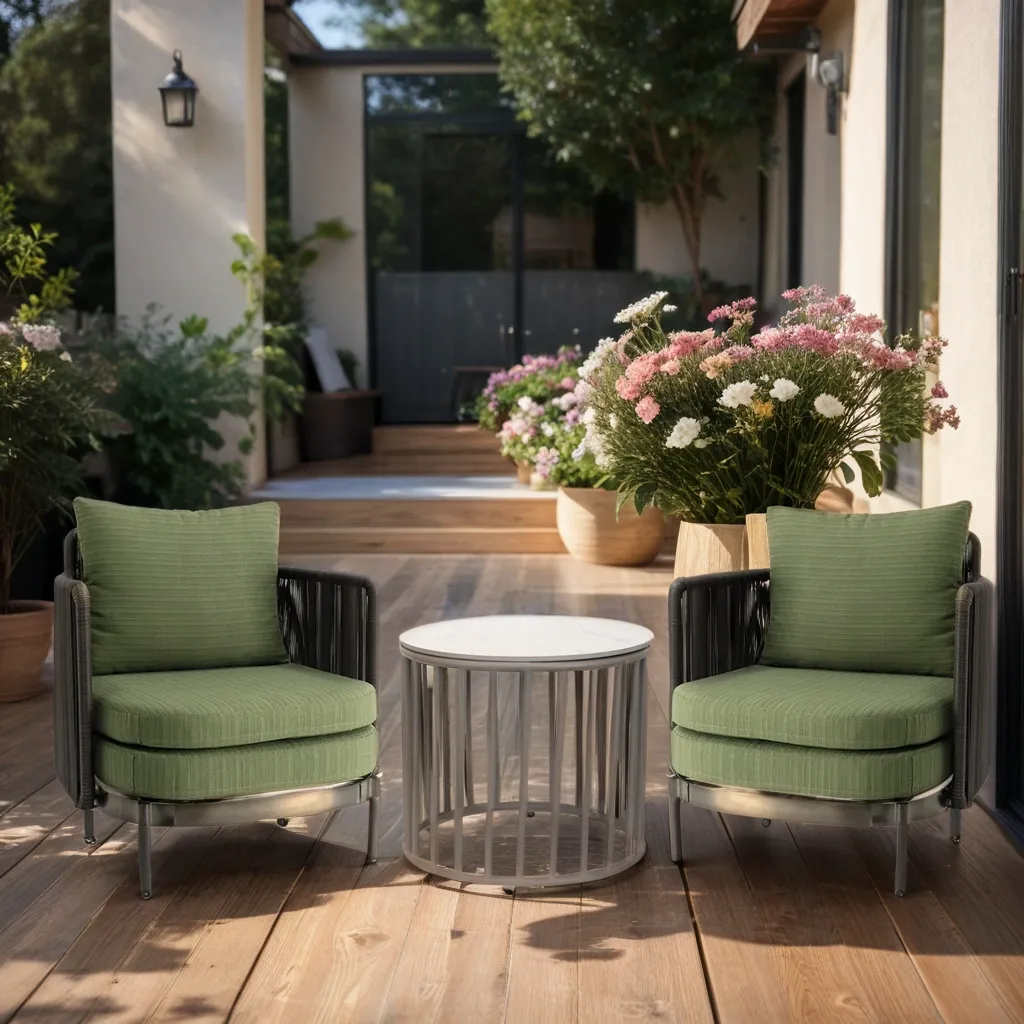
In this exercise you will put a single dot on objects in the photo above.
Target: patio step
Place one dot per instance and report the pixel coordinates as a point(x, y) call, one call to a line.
point(417, 541)
point(451, 525)
point(433, 439)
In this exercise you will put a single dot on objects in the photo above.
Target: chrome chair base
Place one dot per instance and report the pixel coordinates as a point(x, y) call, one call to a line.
point(750, 803)
point(281, 806)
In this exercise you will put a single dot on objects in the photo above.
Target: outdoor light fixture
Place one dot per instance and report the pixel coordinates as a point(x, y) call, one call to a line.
point(829, 73)
point(178, 94)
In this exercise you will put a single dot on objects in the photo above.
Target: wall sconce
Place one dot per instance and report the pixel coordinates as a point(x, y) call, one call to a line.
point(178, 94)
point(830, 75)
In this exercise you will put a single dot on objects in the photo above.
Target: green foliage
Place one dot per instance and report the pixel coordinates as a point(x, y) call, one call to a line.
point(172, 388)
point(401, 23)
point(649, 97)
point(49, 405)
point(274, 283)
point(55, 136)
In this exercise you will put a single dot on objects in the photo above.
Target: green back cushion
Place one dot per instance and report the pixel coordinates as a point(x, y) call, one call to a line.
point(865, 593)
point(180, 590)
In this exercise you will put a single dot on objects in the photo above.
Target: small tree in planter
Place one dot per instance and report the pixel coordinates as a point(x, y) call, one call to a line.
point(49, 416)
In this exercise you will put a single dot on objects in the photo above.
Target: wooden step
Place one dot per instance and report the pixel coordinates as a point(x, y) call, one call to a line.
point(417, 513)
point(433, 439)
point(415, 541)
point(470, 463)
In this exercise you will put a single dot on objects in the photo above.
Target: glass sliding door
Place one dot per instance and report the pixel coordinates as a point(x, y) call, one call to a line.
point(915, 112)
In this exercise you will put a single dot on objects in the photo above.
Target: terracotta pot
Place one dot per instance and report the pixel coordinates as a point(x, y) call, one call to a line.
point(523, 472)
point(26, 633)
point(591, 532)
point(703, 548)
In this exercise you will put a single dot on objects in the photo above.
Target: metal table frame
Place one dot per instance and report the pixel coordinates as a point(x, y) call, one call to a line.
point(610, 758)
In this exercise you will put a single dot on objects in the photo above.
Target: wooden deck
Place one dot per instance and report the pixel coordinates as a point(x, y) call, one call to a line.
point(261, 924)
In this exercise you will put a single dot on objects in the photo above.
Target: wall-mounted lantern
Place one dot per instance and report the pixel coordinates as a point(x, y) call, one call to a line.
point(178, 94)
point(829, 72)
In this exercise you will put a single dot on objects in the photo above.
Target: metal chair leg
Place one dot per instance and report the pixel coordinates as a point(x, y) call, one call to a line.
point(675, 838)
point(90, 827)
point(372, 830)
point(955, 819)
point(902, 815)
point(145, 852)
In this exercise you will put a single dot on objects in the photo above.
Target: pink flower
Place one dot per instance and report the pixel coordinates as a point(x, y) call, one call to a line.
point(884, 358)
point(567, 384)
point(644, 367)
point(741, 309)
point(572, 417)
point(5, 328)
point(864, 323)
point(42, 337)
point(682, 343)
point(935, 418)
point(647, 409)
point(627, 390)
point(671, 367)
point(737, 353)
point(939, 390)
point(810, 293)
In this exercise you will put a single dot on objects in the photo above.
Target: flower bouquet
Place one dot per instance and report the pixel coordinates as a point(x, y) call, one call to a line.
point(714, 425)
point(536, 377)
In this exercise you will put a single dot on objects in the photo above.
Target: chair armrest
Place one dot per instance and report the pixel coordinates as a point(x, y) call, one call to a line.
point(974, 692)
point(72, 689)
point(329, 621)
point(716, 623)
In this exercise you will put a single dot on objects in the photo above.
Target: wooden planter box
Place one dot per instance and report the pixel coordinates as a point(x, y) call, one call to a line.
point(338, 424)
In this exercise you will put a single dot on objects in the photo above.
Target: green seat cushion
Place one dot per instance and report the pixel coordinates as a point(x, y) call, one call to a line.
point(235, 771)
point(180, 590)
point(810, 771)
point(228, 707)
point(818, 707)
point(866, 593)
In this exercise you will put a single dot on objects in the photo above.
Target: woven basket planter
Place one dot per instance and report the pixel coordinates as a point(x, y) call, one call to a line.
point(592, 533)
point(26, 633)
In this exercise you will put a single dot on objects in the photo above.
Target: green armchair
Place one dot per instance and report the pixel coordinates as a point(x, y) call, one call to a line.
point(196, 683)
point(870, 702)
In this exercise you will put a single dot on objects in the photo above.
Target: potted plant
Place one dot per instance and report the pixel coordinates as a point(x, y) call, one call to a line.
point(590, 525)
point(49, 417)
point(714, 427)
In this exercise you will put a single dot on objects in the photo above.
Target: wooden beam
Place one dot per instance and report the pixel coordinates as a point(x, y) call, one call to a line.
point(749, 19)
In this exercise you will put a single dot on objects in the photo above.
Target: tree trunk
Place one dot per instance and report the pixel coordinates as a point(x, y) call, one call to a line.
point(690, 222)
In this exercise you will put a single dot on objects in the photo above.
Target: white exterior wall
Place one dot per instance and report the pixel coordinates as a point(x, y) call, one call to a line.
point(729, 245)
point(962, 464)
point(181, 193)
point(326, 142)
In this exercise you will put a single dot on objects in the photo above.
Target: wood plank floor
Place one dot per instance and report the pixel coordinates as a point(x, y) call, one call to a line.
point(261, 924)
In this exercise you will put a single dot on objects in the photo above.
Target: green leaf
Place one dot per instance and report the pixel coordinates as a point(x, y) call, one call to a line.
point(847, 472)
point(870, 473)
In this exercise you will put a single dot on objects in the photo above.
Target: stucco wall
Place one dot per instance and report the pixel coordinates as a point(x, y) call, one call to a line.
point(181, 193)
point(327, 176)
point(964, 465)
point(729, 249)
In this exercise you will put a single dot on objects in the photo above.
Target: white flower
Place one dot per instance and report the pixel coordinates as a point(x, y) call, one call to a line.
point(684, 433)
point(740, 393)
point(525, 403)
point(42, 337)
point(784, 389)
point(613, 421)
point(580, 450)
point(589, 417)
point(594, 361)
point(829, 406)
point(700, 443)
point(640, 310)
point(565, 402)
point(669, 308)
point(547, 429)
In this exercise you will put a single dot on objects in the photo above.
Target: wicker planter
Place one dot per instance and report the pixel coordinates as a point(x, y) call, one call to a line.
point(703, 548)
point(591, 532)
point(26, 633)
point(523, 472)
point(833, 499)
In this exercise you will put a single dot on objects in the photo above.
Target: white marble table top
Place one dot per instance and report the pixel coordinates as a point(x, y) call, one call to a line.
point(526, 638)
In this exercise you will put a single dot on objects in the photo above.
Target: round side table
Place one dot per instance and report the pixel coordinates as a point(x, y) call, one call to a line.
point(524, 748)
